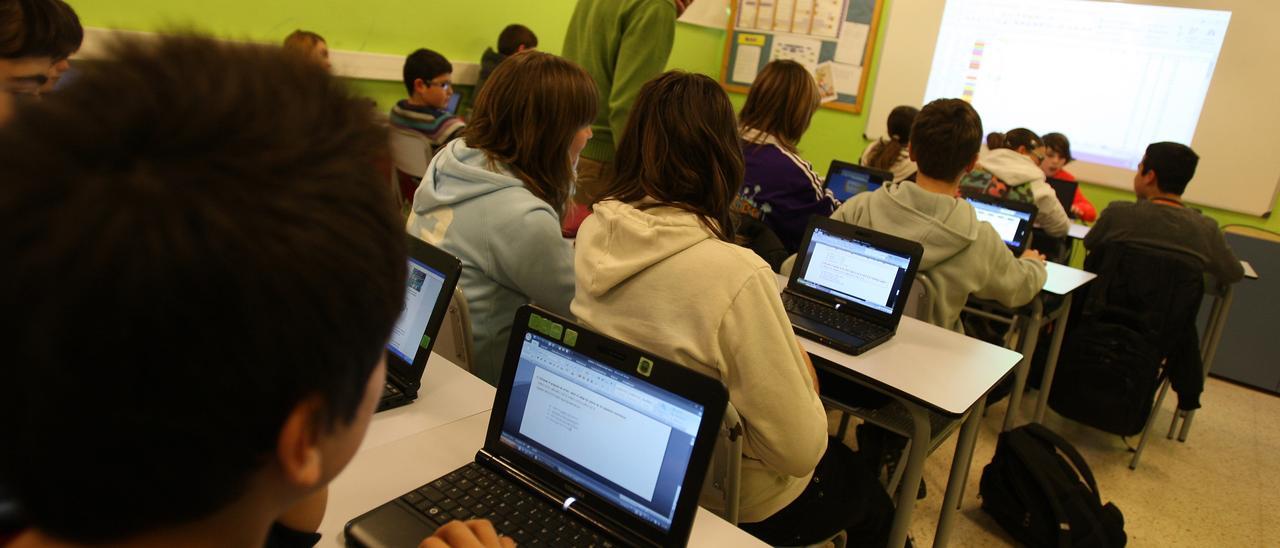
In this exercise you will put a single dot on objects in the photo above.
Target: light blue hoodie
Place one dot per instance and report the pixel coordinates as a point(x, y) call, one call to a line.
point(508, 240)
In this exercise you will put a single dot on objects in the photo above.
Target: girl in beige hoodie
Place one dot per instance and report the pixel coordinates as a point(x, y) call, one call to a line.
point(656, 268)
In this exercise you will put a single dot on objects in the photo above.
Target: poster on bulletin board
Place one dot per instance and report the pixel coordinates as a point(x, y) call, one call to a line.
point(834, 39)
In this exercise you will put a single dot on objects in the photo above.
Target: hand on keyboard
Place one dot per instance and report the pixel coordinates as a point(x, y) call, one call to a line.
point(476, 533)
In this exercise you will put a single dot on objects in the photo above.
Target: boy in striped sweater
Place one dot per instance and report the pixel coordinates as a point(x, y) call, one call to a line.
point(427, 79)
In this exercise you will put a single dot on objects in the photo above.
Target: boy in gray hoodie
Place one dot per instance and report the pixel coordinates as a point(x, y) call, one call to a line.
point(962, 256)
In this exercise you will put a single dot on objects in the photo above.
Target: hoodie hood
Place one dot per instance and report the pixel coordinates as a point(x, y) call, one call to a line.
point(944, 225)
point(620, 240)
point(1009, 166)
point(459, 173)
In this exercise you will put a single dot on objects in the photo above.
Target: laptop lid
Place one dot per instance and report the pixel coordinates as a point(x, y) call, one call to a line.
point(846, 180)
point(1012, 220)
point(454, 101)
point(617, 435)
point(1066, 191)
point(856, 269)
point(433, 274)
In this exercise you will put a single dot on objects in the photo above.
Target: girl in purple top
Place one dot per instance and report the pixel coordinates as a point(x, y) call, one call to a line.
point(779, 187)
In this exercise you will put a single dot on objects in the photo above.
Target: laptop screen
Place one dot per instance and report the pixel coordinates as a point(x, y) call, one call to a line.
point(845, 182)
point(623, 439)
point(855, 271)
point(1012, 225)
point(420, 295)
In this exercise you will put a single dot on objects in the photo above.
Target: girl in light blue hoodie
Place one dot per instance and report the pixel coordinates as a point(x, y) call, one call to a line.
point(494, 198)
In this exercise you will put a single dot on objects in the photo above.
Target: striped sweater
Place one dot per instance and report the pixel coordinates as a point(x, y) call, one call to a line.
point(780, 188)
point(435, 124)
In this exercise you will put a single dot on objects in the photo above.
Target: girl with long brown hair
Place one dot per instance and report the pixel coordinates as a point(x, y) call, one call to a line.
point(779, 187)
point(494, 198)
point(890, 152)
point(656, 267)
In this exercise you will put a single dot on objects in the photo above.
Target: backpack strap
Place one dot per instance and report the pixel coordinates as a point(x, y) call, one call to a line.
point(1036, 461)
point(1077, 460)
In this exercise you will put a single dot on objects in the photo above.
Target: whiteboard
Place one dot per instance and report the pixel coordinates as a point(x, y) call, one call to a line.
point(1238, 136)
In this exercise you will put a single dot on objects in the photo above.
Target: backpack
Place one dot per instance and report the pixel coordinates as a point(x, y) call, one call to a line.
point(1108, 373)
point(1037, 497)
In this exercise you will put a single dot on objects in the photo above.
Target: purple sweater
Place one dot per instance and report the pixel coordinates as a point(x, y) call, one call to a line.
point(781, 189)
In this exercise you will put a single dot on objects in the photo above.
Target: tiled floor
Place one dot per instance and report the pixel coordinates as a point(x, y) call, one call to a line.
point(1220, 488)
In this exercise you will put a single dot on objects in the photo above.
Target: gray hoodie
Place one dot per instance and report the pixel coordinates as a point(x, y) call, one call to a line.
point(962, 256)
point(508, 240)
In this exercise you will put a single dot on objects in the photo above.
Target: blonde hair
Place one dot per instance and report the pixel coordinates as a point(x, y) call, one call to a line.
point(781, 103)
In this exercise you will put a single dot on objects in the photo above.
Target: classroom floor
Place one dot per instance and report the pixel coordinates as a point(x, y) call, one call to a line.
point(1219, 488)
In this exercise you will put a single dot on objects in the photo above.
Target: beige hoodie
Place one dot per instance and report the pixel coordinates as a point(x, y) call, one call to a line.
point(658, 279)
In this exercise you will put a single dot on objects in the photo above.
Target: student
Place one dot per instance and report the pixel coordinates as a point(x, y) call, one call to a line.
point(890, 152)
point(656, 268)
point(513, 39)
point(494, 198)
point(204, 299)
point(33, 34)
point(1057, 154)
point(1159, 218)
point(622, 44)
point(1012, 172)
point(962, 255)
point(308, 45)
point(779, 187)
point(994, 140)
point(427, 78)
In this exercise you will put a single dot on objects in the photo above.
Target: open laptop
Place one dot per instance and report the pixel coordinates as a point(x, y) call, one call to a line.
point(1011, 219)
point(591, 442)
point(846, 180)
point(454, 101)
point(433, 273)
point(849, 285)
point(1066, 191)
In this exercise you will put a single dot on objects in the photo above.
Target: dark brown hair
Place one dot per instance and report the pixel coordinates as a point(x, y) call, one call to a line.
point(681, 148)
point(781, 103)
point(514, 36)
point(301, 42)
point(887, 151)
point(38, 28)
point(204, 222)
point(1059, 144)
point(945, 138)
point(526, 116)
point(1021, 138)
point(1174, 164)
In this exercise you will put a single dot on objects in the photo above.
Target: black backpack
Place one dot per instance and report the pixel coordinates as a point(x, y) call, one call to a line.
point(1037, 496)
point(1108, 373)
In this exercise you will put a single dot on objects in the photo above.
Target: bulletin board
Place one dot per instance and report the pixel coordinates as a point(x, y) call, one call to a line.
point(834, 39)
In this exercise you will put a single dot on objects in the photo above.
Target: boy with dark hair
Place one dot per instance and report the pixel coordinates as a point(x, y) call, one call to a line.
point(204, 267)
point(33, 35)
point(1159, 218)
point(512, 40)
point(962, 256)
point(427, 80)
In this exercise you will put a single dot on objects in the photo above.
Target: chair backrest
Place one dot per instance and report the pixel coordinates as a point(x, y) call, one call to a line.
point(410, 151)
point(1164, 287)
point(455, 342)
point(920, 300)
point(724, 477)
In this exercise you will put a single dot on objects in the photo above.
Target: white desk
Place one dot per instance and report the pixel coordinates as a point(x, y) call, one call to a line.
point(1077, 231)
point(380, 474)
point(926, 368)
point(447, 394)
point(1249, 272)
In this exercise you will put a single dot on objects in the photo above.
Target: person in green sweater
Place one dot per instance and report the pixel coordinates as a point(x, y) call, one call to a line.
point(622, 44)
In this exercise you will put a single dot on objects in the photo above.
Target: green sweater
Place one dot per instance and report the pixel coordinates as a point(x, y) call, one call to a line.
point(622, 44)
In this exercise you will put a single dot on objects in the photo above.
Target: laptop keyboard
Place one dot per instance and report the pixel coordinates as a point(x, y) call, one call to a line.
point(475, 492)
point(850, 324)
point(389, 391)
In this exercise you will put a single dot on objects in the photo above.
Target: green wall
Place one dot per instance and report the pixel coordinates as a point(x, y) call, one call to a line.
point(462, 30)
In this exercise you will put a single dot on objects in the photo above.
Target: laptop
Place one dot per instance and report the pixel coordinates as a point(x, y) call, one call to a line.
point(846, 180)
point(1011, 219)
point(433, 273)
point(1066, 191)
point(454, 101)
point(850, 285)
point(591, 442)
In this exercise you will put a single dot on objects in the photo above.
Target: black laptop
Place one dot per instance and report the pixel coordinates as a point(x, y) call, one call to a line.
point(1011, 219)
point(846, 180)
point(591, 443)
point(433, 273)
point(1066, 191)
point(850, 284)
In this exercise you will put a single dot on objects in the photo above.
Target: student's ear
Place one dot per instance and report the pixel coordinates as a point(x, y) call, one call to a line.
point(298, 445)
point(521, 48)
point(911, 153)
point(419, 86)
point(973, 163)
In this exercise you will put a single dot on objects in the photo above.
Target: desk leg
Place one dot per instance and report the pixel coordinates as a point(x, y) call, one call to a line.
point(1051, 361)
point(906, 496)
point(1020, 372)
point(959, 473)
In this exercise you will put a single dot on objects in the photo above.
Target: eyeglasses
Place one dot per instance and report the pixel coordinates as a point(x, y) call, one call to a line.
point(443, 85)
